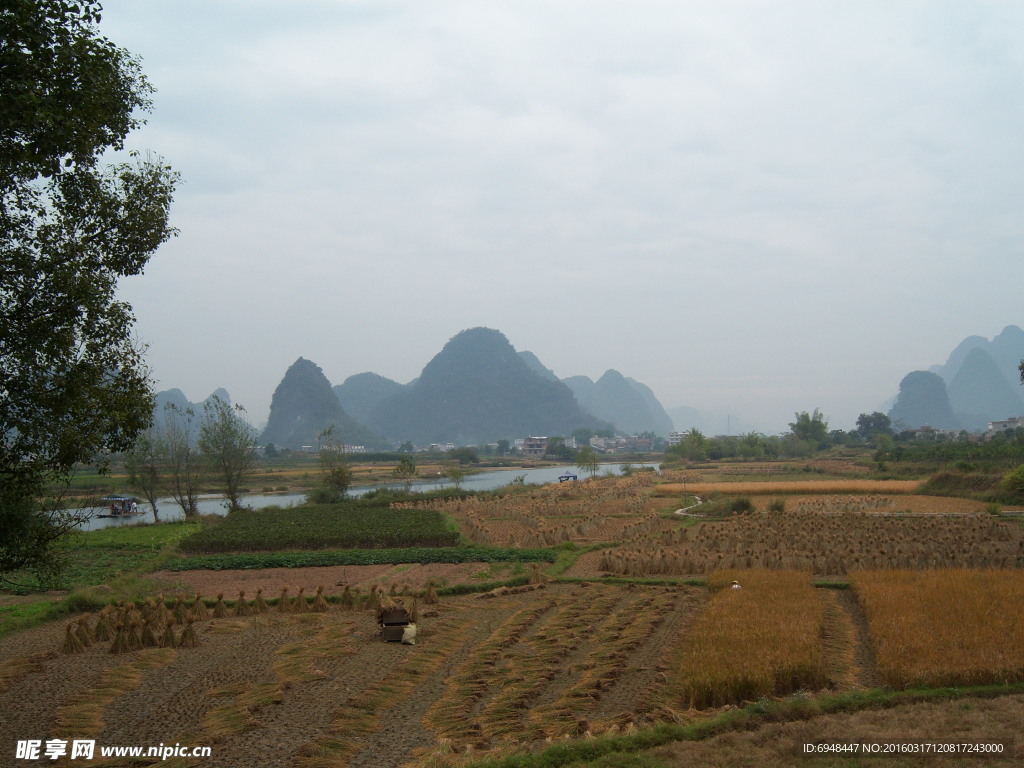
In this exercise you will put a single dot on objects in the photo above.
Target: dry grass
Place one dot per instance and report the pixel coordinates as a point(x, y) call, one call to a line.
point(945, 627)
point(764, 639)
point(83, 715)
point(835, 544)
point(853, 485)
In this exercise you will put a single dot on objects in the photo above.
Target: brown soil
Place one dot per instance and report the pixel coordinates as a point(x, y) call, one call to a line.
point(333, 578)
point(279, 689)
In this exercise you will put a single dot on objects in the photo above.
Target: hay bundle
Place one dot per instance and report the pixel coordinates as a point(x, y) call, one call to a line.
point(347, 601)
point(242, 605)
point(133, 637)
point(72, 643)
point(167, 638)
point(220, 608)
point(83, 631)
point(147, 637)
point(301, 604)
point(199, 612)
point(320, 602)
point(259, 605)
point(283, 601)
point(120, 643)
point(179, 613)
point(104, 630)
point(430, 596)
point(189, 638)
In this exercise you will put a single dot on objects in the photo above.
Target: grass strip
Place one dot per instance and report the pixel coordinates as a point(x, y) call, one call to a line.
point(304, 559)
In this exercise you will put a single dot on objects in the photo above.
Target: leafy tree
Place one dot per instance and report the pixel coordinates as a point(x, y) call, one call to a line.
point(455, 474)
point(811, 428)
point(185, 466)
point(557, 449)
point(464, 455)
point(72, 380)
point(586, 460)
point(228, 444)
point(871, 424)
point(145, 464)
point(503, 447)
point(405, 470)
point(692, 446)
point(335, 472)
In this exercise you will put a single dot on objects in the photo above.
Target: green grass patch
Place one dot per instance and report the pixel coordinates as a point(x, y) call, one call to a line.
point(304, 559)
point(96, 557)
point(355, 524)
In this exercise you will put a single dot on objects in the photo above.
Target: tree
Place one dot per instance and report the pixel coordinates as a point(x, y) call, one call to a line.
point(405, 470)
point(503, 447)
point(871, 424)
point(586, 460)
point(228, 445)
point(811, 428)
point(73, 384)
point(184, 463)
point(145, 464)
point(335, 472)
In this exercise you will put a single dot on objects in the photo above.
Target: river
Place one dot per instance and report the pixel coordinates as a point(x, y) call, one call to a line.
point(483, 481)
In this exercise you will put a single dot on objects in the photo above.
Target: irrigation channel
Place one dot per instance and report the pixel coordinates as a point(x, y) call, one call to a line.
point(483, 481)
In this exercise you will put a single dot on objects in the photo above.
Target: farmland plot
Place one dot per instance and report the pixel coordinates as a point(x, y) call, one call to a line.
point(834, 544)
point(947, 627)
point(588, 512)
point(309, 689)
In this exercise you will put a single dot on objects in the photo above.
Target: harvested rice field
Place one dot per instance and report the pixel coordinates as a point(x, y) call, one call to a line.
point(519, 667)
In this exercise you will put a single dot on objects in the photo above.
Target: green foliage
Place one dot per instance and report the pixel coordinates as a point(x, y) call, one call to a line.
point(335, 472)
point(74, 381)
point(359, 557)
point(741, 505)
point(811, 429)
point(1013, 481)
point(356, 524)
point(227, 442)
point(586, 460)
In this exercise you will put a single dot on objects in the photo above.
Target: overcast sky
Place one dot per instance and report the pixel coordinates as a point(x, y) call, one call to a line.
point(755, 208)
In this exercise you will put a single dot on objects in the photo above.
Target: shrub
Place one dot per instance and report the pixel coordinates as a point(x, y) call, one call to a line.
point(741, 506)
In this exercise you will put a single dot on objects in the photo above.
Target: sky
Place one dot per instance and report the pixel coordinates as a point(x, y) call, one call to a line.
point(754, 208)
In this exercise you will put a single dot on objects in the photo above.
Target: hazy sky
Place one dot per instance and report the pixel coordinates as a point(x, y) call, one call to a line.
point(755, 208)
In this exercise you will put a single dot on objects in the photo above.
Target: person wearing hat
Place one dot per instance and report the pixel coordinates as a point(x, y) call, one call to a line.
point(736, 585)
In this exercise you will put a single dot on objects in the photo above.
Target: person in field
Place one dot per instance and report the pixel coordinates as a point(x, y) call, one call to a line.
point(736, 585)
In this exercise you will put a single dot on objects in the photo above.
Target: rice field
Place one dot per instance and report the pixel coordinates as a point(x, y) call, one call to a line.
point(283, 677)
point(764, 637)
point(945, 627)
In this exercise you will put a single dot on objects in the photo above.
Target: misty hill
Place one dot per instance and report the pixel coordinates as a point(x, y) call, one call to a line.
point(979, 391)
point(304, 406)
point(923, 401)
point(478, 389)
point(360, 394)
point(980, 382)
point(1006, 350)
point(178, 399)
point(535, 365)
point(626, 403)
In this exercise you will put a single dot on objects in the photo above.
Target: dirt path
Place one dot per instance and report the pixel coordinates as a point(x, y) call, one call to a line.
point(866, 669)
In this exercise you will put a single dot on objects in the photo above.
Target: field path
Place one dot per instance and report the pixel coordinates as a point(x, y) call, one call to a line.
point(866, 670)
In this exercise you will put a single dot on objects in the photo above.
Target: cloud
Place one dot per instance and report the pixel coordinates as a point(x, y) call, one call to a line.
point(760, 206)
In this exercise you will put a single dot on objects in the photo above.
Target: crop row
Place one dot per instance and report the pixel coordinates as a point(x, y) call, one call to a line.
point(949, 627)
point(762, 639)
point(421, 555)
point(833, 544)
point(345, 525)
